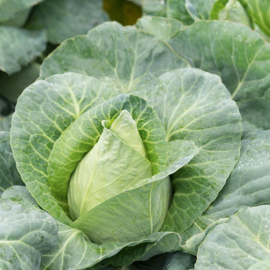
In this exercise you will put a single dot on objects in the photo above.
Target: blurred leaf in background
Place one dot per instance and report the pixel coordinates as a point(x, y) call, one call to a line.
point(123, 11)
point(12, 86)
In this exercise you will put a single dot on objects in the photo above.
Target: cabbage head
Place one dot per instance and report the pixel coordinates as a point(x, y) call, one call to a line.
point(117, 163)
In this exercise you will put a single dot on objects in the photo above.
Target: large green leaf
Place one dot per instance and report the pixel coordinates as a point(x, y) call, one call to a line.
point(239, 56)
point(67, 18)
point(44, 111)
point(26, 232)
point(240, 243)
point(12, 8)
point(248, 185)
point(9, 175)
point(26, 46)
point(195, 105)
point(12, 86)
point(122, 56)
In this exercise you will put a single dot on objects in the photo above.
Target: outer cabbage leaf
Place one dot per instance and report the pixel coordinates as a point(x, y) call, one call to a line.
point(220, 52)
point(67, 18)
point(248, 185)
point(240, 243)
point(239, 56)
point(20, 195)
point(26, 46)
point(196, 106)
point(122, 56)
point(9, 175)
point(75, 251)
point(26, 232)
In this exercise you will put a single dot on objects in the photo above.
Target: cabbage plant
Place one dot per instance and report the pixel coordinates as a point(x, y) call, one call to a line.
point(132, 145)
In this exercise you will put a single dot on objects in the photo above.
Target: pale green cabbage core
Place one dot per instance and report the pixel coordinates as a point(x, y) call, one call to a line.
point(116, 162)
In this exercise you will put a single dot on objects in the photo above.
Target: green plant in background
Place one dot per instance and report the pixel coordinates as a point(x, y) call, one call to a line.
point(254, 13)
point(31, 25)
point(17, 65)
